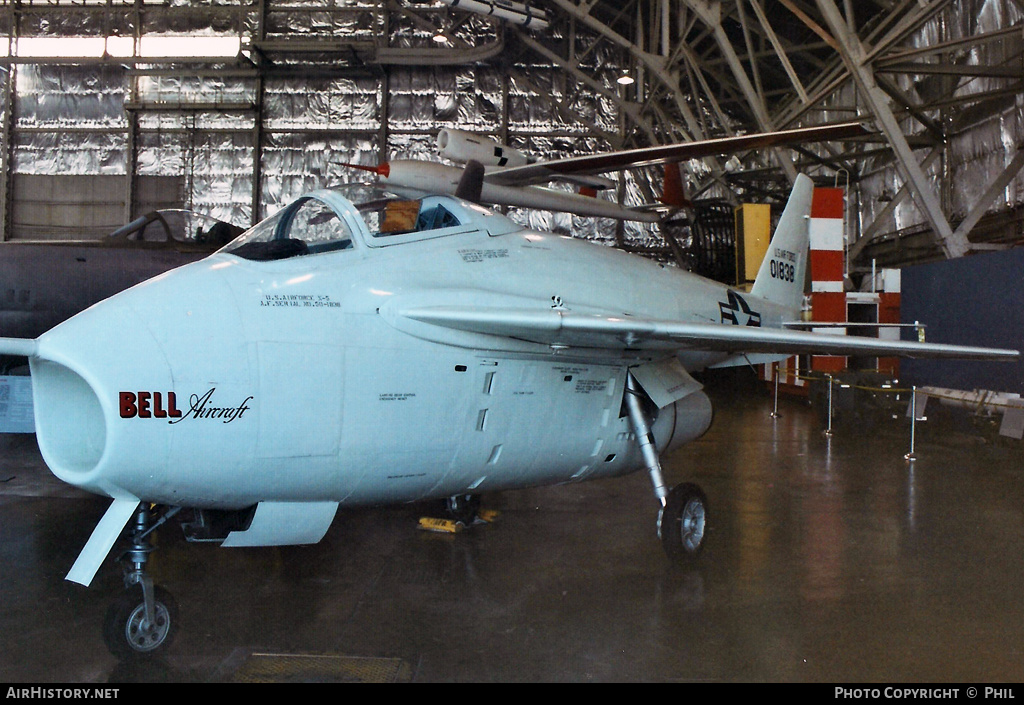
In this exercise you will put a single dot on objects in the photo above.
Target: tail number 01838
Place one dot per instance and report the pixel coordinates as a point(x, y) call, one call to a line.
point(783, 271)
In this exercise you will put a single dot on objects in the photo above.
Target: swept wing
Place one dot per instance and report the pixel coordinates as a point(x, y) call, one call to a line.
point(590, 164)
point(566, 328)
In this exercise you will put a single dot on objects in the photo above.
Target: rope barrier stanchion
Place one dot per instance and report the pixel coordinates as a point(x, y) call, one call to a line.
point(828, 431)
point(986, 401)
point(913, 422)
point(775, 408)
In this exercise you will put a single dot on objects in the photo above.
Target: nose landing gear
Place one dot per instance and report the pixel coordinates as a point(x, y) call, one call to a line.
point(142, 622)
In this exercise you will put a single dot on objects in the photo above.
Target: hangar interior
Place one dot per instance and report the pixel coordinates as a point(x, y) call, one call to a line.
point(230, 109)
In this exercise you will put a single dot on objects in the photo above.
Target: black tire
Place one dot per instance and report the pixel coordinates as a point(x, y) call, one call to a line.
point(121, 628)
point(463, 508)
point(683, 522)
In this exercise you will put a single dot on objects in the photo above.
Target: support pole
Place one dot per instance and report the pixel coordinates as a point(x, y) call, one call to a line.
point(775, 408)
point(138, 555)
point(828, 431)
point(642, 430)
point(913, 421)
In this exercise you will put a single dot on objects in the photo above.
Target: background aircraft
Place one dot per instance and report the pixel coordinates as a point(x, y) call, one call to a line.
point(511, 178)
point(362, 348)
point(516, 12)
point(45, 283)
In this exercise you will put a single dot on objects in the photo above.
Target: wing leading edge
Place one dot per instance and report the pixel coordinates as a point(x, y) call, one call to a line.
point(556, 327)
point(22, 347)
point(544, 171)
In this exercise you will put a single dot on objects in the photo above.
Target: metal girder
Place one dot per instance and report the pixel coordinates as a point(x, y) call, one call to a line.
point(711, 14)
point(631, 109)
point(780, 51)
point(660, 67)
point(854, 56)
point(947, 69)
point(654, 63)
point(869, 233)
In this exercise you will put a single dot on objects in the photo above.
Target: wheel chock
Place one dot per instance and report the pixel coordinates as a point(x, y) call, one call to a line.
point(451, 526)
point(441, 526)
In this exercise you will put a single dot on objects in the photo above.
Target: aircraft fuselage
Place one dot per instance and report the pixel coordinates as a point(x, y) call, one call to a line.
point(229, 381)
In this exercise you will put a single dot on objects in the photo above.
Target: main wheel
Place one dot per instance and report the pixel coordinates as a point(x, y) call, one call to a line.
point(126, 630)
point(683, 522)
point(463, 508)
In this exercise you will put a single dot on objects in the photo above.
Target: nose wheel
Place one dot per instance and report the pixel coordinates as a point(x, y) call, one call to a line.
point(134, 628)
point(142, 622)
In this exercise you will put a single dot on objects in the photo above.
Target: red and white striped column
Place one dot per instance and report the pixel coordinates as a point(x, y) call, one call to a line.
point(828, 295)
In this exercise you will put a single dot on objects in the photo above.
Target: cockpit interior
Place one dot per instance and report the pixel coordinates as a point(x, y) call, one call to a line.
point(325, 222)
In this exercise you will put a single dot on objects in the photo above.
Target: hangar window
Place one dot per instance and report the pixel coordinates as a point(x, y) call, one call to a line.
point(308, 226)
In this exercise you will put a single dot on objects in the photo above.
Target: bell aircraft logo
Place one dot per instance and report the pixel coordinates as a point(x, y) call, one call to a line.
point(738, 312)
point(148, 405)
point(155, 405)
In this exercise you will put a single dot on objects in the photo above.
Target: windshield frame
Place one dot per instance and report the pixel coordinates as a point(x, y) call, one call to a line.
point(274, 228)
point(351, 203)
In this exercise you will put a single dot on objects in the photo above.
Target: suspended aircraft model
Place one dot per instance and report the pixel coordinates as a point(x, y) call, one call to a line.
point(516, 12)
point(361, 348)
point(511, 178)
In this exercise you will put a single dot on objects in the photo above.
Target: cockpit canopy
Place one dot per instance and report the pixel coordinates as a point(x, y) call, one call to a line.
point(332, 220)
point(306, 226)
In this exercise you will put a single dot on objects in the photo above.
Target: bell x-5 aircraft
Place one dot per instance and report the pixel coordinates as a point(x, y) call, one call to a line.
point(360, 348)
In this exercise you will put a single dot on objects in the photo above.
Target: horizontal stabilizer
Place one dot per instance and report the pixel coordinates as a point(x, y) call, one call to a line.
point(569, 329)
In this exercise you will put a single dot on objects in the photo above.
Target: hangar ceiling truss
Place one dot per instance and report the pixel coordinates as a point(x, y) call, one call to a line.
point(939, 83)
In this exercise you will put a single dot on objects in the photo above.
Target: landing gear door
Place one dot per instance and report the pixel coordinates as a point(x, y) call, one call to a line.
point(285, 524)
point(102, 540)
point(665, 381)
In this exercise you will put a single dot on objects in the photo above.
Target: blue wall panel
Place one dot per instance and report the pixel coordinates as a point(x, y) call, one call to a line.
point(975, 300)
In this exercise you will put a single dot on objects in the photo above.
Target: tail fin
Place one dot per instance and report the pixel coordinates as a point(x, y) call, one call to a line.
point(781, 276)
point(673, 191)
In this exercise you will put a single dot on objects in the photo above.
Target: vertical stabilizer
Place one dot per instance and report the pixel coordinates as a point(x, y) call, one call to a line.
point(781, 276)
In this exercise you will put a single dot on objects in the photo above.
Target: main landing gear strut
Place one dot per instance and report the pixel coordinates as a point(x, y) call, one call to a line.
point(142, 622)
point(682, 518)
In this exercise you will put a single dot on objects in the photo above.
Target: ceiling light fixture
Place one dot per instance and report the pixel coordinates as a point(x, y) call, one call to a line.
point(127, 47)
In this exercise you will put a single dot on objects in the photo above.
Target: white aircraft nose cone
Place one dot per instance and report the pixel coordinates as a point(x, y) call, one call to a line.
point(71, 440)
point(76, 379)
point(110, 383)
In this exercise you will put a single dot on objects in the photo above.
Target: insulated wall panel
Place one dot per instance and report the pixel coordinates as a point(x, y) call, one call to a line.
point(976, 300)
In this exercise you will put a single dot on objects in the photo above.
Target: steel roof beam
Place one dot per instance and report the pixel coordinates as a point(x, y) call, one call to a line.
point(711, 15)
point(854, 55)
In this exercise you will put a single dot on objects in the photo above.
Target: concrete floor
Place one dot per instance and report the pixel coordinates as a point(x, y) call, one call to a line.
point(829, 559)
